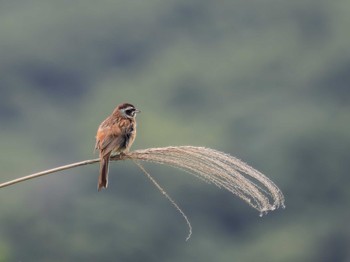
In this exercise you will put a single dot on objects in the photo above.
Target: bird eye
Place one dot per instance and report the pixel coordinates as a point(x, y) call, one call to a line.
point(129, 112)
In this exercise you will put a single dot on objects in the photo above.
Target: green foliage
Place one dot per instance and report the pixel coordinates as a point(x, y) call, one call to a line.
point(266, 81)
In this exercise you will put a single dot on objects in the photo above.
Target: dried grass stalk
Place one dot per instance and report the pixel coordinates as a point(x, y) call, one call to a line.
point(207, 164)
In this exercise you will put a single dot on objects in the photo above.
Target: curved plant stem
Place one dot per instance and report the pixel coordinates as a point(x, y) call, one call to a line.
point(172, 201)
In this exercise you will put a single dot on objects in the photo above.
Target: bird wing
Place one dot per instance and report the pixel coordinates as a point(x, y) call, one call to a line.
point(109, 139)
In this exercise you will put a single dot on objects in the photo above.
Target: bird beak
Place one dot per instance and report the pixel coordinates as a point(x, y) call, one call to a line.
point(137, 111)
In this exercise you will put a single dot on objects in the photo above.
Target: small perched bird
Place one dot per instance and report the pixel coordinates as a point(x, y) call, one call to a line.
point(115, 135)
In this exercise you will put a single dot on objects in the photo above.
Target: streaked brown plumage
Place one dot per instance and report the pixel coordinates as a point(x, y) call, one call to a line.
point(115, 135)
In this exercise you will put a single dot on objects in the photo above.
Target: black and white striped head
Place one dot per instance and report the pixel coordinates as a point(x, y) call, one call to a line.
point(127, 110)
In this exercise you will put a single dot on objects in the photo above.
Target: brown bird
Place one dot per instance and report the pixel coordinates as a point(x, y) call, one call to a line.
point(115, 135)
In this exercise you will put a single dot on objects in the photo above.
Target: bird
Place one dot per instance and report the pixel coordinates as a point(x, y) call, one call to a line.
point(115, 135)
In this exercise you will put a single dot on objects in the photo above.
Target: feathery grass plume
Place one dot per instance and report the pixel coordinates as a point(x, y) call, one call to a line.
point(218, 168)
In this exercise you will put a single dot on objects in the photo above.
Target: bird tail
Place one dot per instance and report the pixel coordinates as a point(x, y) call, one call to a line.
point(103, 178)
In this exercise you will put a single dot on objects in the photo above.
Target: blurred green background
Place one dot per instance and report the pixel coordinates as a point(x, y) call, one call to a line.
point(266, 81)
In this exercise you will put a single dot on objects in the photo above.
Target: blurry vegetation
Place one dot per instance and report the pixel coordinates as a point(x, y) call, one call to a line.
point(266, 81)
